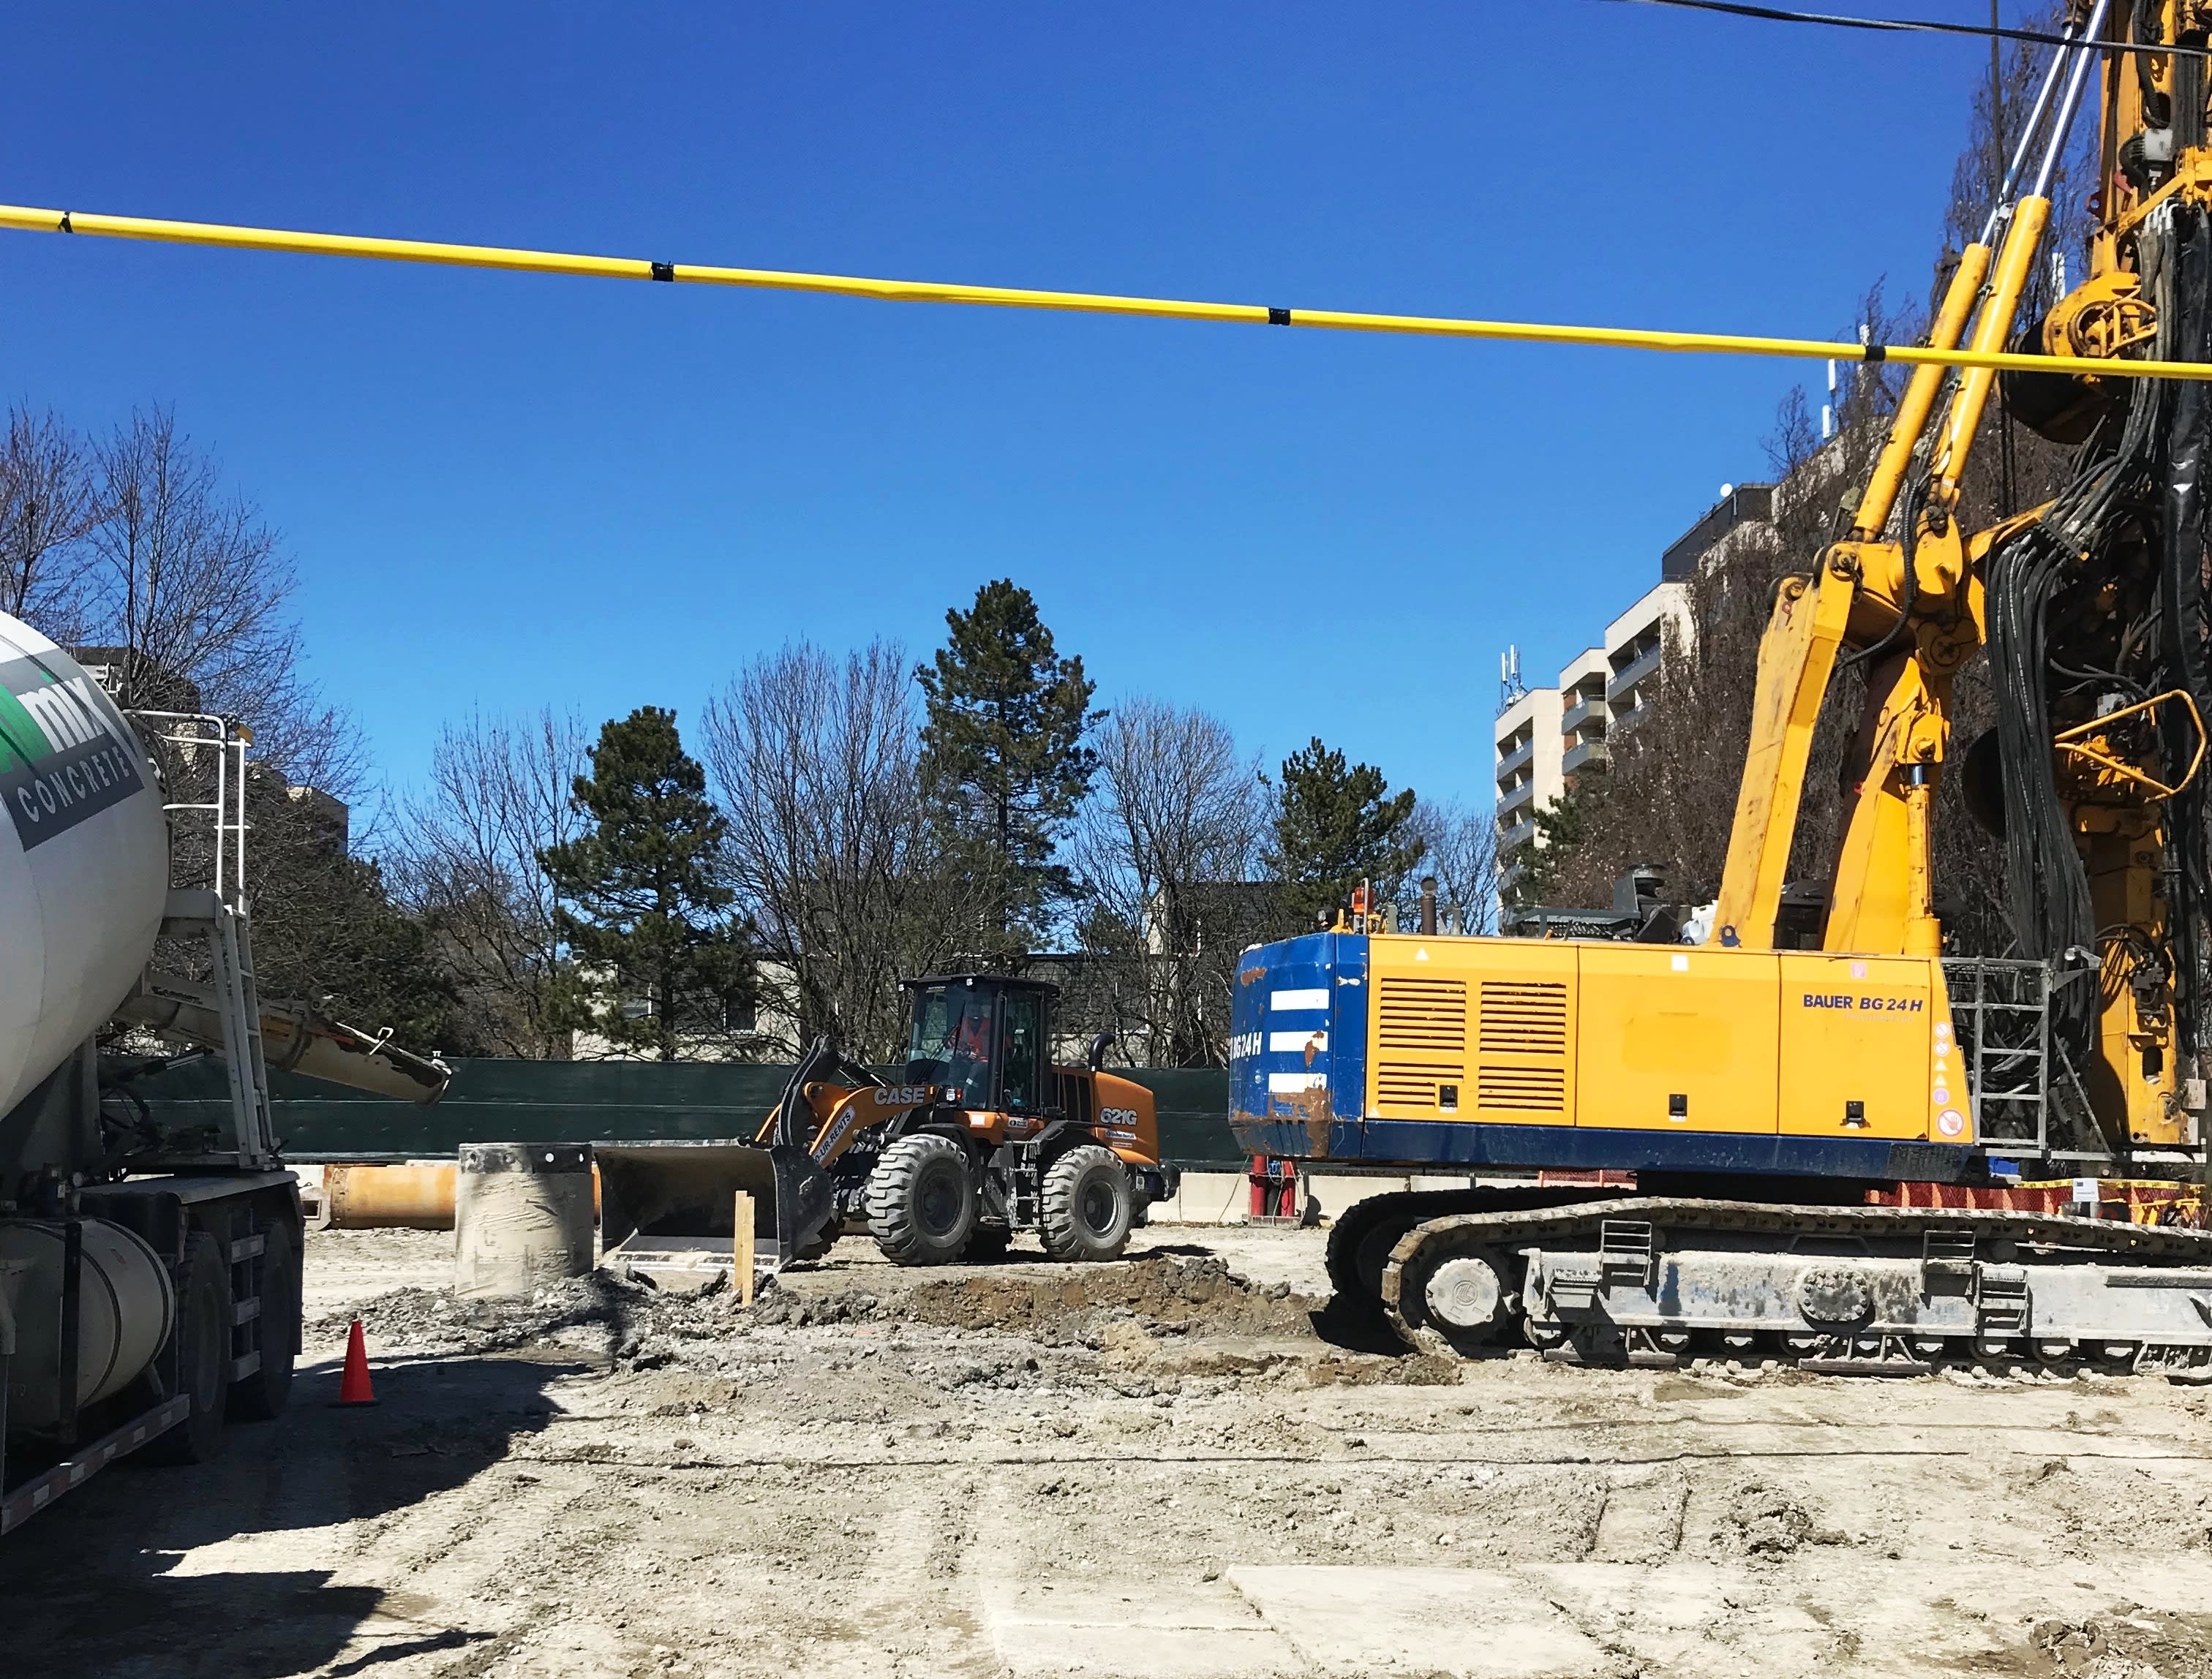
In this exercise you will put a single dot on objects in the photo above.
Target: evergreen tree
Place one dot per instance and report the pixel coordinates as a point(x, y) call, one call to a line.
point(643, 908)
point(341, 943)
point(1004, 758)
point(1562, 826)
point(1338, 825)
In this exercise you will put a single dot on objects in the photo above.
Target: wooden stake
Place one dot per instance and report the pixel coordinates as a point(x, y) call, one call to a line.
point(741, 1247)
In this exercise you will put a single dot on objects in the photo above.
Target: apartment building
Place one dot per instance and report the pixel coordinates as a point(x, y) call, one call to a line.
point(1547, 737)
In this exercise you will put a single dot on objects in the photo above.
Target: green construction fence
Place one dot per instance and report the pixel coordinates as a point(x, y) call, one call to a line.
point(589, 1101)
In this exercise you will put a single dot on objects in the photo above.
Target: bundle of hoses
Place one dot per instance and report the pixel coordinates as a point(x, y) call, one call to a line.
point(2135, 492)
point(2182, 625)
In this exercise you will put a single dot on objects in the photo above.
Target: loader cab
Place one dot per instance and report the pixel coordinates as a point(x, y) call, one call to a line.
point(987, 1035)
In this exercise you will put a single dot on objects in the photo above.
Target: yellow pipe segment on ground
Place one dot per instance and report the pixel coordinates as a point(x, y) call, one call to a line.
point(383, 1196)
point(24, 219)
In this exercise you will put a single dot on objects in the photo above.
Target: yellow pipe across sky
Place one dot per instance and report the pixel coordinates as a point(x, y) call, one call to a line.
point(24, 219)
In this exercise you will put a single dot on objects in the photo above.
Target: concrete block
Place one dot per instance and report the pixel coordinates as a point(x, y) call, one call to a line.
point(1208, 1197)
point(1337, 1191)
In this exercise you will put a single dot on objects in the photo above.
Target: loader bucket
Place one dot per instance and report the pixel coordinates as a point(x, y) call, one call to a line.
point(669, 1208)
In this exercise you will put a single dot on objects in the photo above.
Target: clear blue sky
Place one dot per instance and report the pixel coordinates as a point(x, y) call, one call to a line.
point(502, 491)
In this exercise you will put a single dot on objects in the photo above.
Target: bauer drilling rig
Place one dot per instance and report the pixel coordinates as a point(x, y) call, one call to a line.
point(1756, 1119)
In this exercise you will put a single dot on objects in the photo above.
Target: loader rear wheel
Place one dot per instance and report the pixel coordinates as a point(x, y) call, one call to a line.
point(921, 1201)
point(1088, 1205)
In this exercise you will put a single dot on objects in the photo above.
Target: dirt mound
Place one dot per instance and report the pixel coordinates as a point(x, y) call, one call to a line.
point(600, 1314)
point(435, 1320)
point(1763, 1521)
point(1169, 1294)
point(626, 1322)
point(2136, 1643)
point(1415, 1370)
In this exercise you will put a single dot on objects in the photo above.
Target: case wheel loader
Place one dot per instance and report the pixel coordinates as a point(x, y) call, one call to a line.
point(979, 1139)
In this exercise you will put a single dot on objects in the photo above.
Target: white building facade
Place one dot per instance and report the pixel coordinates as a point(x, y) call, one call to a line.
point(1545, 737)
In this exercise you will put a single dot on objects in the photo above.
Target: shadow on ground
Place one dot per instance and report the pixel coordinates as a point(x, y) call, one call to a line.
point(120, 1580)
point(1356, 1328)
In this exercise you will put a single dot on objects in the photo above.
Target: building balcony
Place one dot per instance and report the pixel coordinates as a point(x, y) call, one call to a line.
point(1512, 798)
point(1582, 713)
point(1629, 674)
point(1588, 752)
point(1515, 758)
point(1512, 839)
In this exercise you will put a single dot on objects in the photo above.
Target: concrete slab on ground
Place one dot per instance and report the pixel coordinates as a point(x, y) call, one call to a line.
point(1471, 1623)
point(1120, 1630)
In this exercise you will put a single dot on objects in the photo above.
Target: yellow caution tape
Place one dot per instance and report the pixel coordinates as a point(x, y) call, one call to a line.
point(26, 220)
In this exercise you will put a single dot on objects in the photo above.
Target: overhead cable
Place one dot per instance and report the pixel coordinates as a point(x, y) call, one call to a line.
point(1914, 26)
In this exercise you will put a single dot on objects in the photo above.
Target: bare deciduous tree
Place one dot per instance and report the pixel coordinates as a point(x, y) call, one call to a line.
point(815, 758)
point(194, 589)
point(46, 508)
point(1166, 849)
point(1460, 849)
point(465, 861)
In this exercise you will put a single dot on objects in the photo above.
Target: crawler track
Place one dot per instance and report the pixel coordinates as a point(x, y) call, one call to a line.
point(1878, 1290)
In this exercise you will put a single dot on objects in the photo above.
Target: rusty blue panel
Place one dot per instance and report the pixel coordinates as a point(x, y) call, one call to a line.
point(1298, 1068)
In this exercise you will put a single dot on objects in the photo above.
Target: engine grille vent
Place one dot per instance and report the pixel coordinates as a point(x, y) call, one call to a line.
point(1521, 1042)
point(1421, 1048)
point(1523, 1018)
point(1521, 1089)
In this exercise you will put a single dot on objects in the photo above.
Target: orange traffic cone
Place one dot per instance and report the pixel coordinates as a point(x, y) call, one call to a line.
point(353, 1385)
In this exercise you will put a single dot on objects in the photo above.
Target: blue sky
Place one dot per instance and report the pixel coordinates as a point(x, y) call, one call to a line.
point(502, 491)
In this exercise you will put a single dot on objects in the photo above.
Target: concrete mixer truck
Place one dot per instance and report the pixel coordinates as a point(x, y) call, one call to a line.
point(149, 1284)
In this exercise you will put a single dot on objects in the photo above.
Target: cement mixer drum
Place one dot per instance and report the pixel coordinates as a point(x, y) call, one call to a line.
point(83, 858)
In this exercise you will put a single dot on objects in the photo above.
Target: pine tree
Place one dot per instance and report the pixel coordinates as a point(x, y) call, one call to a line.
point(643, 909)
point(1004, 757)
point(1562, 828)
point(1338, 825)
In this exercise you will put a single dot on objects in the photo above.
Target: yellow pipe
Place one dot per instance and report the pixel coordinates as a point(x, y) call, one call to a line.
point(389, 1198)
point(397, 1197)
point(27, 220)
point(1919, 398)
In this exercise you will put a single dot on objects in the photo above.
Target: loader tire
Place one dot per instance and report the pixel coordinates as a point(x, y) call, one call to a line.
point(921, 1201)
point(1089, 1205)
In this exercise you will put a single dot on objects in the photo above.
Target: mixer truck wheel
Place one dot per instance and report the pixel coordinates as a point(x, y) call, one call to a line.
point(264, 1394)
point(1088, 1208)
point(921, 1200)
point(202, 1340)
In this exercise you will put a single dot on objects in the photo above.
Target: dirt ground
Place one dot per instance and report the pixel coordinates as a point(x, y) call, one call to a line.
point(1163, 1467)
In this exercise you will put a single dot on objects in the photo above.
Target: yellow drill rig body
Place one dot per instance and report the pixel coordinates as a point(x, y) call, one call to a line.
point(1785, 1132)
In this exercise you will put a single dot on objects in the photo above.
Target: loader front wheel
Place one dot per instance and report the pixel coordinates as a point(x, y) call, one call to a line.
point(1088, 1205)
point(921, 1201)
